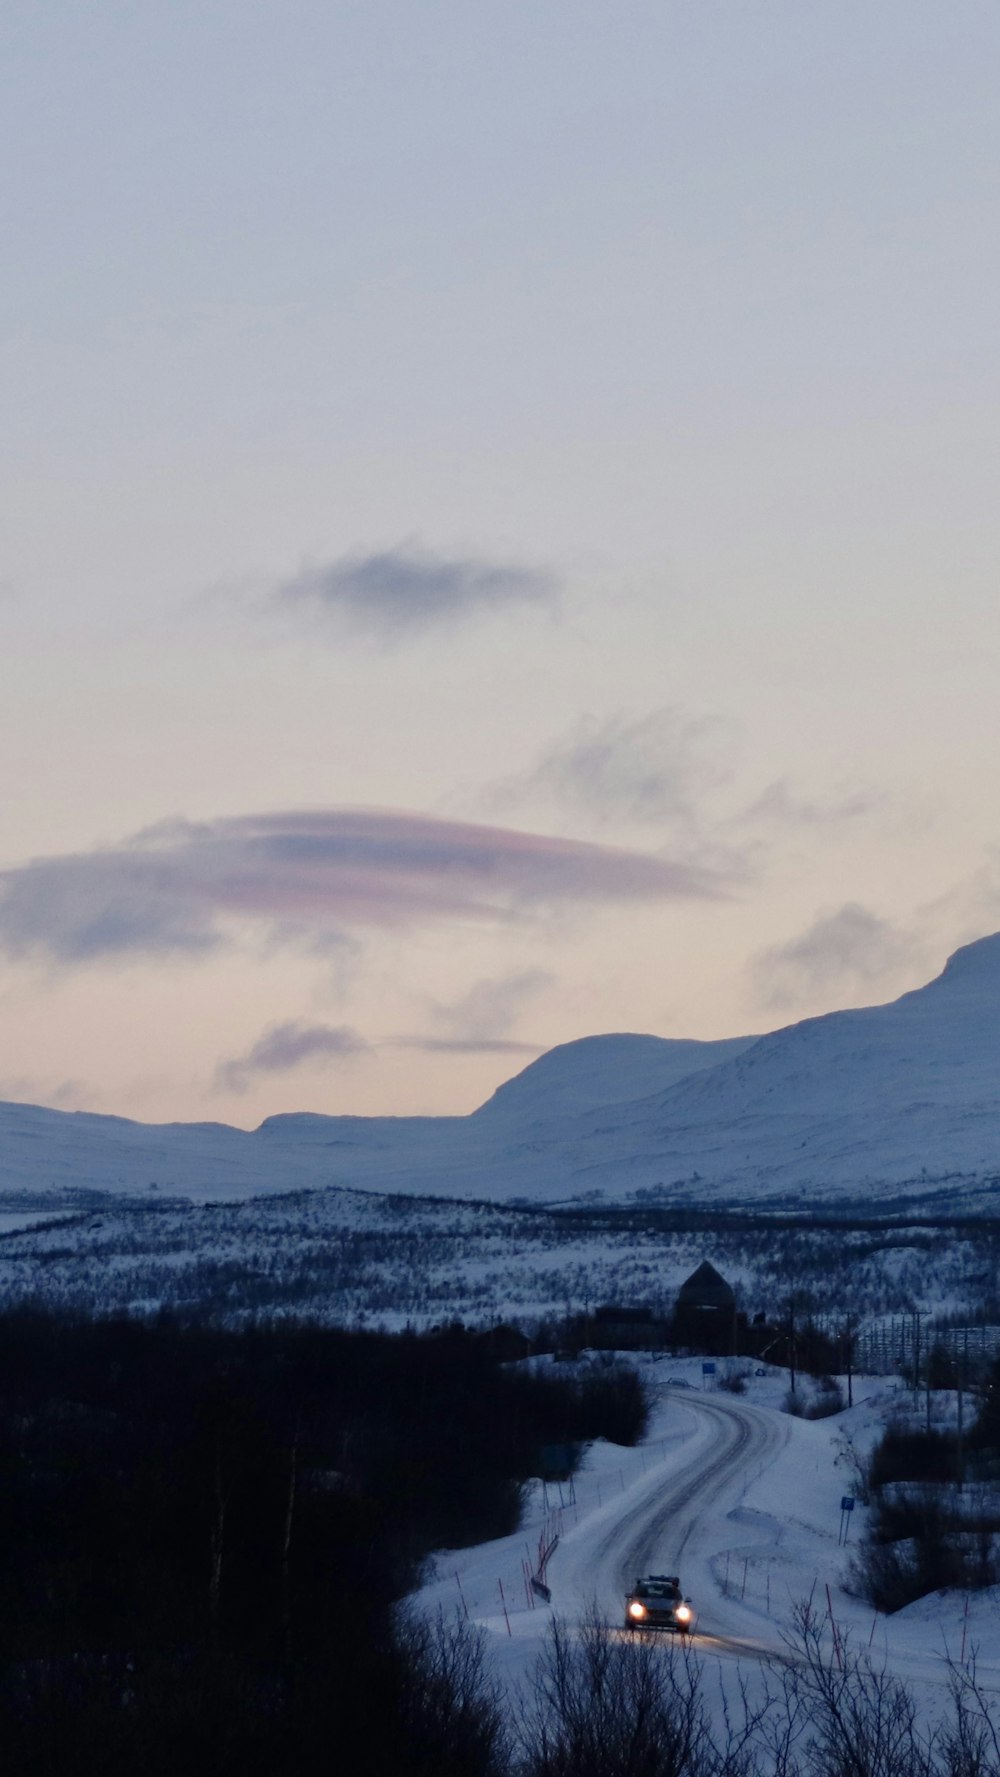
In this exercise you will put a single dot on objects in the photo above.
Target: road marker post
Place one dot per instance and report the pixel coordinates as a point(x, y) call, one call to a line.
point(965, 1625)
point(836, 1632)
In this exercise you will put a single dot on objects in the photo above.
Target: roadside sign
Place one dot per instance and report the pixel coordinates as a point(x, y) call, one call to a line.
point(708, 1369)
point(556, 1461)
point(847, 1503)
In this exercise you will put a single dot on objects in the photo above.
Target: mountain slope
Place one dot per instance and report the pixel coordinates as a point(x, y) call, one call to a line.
point(859, 1103)
point(594, 1071)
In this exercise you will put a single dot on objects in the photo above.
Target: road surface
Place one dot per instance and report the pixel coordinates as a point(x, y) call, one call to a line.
point(668, 1525)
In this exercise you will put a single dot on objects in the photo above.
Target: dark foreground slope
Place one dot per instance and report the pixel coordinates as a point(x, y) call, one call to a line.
point(204, 1535)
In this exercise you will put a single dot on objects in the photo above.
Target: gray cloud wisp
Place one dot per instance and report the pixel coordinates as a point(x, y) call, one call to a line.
point(184, 888)
point(284, 1047)
point(396, 593)
point(479, 1022)
point(852, 948)
point(655, 768)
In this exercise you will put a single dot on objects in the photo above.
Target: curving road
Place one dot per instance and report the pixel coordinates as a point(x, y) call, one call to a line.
point(679, 1524)
point(668, 1519)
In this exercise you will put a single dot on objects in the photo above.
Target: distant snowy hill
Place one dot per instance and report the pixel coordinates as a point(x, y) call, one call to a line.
point(595, 1071)
point(896, 1099)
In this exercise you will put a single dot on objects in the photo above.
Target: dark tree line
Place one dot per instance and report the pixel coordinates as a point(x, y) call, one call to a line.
point(204, 1534)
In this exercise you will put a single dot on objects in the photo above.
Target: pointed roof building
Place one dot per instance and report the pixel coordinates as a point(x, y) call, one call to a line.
point(706, 1288)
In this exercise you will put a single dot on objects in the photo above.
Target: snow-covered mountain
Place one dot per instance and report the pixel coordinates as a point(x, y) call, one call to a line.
point(868, 1103)
point(597, 1071)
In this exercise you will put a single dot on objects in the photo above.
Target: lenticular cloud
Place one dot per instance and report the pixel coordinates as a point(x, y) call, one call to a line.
point(182, 887)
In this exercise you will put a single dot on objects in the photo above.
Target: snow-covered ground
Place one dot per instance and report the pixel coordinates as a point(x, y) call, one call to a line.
point(352, 1258)
point(744, 1502)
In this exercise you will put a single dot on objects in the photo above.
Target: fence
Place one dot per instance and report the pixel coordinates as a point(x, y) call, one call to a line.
point(886, 1346)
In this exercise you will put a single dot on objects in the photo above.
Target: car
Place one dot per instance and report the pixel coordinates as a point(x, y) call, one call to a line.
point(657, 1602)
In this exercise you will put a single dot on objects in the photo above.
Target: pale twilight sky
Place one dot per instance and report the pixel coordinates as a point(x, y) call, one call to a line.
point(499, 533)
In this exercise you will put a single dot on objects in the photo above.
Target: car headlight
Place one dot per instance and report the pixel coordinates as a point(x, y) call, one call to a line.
point(683, 1613)
point(637, 1610)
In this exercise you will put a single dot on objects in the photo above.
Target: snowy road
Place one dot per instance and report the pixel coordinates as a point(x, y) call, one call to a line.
point(672, 1523)
point(743, 1502)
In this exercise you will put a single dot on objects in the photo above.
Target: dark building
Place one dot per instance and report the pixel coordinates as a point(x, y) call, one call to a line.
point(615, 1327)
point(705, 1312)
point(707, 1288)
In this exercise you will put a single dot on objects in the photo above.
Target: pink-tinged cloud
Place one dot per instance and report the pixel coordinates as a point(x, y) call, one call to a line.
point(180, 887)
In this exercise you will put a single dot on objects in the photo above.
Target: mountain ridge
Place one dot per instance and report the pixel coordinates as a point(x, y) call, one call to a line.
point(872, 1099)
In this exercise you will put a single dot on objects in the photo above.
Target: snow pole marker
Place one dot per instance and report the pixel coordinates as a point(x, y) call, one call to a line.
point(503, 1601)
point(461, 1594)
point(965, 1625)
point(743, 1591)
point(836, 1632)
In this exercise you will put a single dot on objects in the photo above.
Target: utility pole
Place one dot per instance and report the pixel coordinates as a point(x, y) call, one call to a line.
point(791, 1344)
point(849, 1332)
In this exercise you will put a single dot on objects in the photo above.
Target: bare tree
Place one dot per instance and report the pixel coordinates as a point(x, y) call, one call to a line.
point(862, 1722)
point(452, 1713)
point(605, 1705)
point(970, 1740)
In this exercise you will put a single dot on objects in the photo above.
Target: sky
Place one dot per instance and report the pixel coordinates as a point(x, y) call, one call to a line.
point(499, 534)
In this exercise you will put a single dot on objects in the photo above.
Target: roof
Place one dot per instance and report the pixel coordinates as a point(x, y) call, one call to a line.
point(706, 1284)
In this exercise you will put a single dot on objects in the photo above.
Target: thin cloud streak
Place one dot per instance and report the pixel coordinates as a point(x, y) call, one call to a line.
point(778, 805)
point(183, 889)
point(465, 1045)
point(395, 594)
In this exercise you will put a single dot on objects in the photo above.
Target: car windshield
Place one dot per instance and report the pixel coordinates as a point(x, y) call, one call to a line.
point(660, 1589)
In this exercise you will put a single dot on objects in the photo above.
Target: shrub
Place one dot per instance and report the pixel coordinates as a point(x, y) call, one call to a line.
point(734, 1381)
point(827, 1400)
point(903, 1454)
